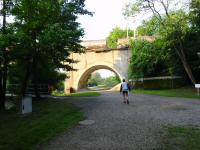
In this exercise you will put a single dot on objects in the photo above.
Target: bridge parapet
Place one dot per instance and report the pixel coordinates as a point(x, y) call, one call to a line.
point(94, 44)
point(101, 45)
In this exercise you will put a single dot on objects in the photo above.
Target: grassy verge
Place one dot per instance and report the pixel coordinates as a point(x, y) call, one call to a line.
point(101, 87)
point(80, 94)
point(84, 94)
point(186, 92)
point(181, 138)
point(49, 118)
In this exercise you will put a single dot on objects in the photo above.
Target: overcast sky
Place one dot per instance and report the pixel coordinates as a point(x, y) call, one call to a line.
point(107, 15)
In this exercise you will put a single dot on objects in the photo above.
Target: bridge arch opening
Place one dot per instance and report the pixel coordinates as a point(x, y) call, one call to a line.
point(83, 80)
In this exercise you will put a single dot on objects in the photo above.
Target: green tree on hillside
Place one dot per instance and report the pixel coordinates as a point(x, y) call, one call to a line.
point(192, 39)
point(174, 27)
point(149, 27)
point(116, 34)
point(6, 44)
point(111, 81)
point(46, 30)
point(95, 79)
point(148, 59)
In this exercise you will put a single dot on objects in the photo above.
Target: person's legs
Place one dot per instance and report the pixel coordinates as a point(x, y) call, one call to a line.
point(124, 96)
point(127, 97)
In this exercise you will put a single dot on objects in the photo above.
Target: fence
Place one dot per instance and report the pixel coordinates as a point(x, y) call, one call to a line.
point(158, 82)
point(42, 88)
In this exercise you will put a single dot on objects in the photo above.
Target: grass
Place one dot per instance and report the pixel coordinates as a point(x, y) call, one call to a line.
point(181, 138)
point(186, 92)
point(79, 94)
point(99, 87)
point(85, 94)
point(49, 118)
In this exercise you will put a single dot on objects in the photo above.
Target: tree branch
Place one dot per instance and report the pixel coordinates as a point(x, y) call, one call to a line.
point(165, 6)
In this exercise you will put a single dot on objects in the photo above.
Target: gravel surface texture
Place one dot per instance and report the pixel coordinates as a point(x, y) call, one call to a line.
point(119, 126)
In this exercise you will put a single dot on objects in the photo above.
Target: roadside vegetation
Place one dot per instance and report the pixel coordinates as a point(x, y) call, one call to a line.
point(186, 92)
point(96, 82)
point(78, 94)
point(183, 138)
point(49, 118)
point(33, 52)
point(167, 43)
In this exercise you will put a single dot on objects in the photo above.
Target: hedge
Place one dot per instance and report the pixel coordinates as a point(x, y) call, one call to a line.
point(158, 83)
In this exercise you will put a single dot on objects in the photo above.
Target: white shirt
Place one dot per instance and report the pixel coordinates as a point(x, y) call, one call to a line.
point(124, 86)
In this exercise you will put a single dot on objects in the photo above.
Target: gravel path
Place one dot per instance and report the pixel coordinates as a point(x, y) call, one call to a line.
point(119, 126)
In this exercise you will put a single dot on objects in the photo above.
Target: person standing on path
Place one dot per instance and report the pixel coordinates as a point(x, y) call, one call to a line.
point(124, 89)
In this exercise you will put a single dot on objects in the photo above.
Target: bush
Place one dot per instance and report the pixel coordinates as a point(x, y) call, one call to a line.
point(160, 83)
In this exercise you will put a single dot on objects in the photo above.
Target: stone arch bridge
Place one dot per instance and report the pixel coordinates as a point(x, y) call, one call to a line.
point(97, 56)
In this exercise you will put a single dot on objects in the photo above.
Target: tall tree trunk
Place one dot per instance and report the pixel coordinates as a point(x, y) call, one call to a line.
point(181, 54)
point(189, 71)
point(5, 73)
point(180, 48)
point(1, 89)
point(2, 62)
point(35, 66)
point(25, 81)
point(187, 67)
point(35, 78)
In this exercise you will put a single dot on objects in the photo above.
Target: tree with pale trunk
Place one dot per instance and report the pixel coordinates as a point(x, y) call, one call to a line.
point(175, 26)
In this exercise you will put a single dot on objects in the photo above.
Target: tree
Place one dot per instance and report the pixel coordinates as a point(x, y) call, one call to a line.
point(5, 47)
point(195, 15)
point(149, 27)
point(116, 34)
point(148, 59)
point(95, 79)
point(48, 75)
point(111, 81)
point(172, 25)
point(46, 30)
point(192, 39)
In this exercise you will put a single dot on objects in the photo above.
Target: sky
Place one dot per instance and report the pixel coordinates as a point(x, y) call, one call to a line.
point(107, 15)
point(105, 73)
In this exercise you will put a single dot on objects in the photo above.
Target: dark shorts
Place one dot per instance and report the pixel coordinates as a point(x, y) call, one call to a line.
point(125, 92)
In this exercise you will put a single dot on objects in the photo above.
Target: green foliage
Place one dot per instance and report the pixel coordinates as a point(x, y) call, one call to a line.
point(94, 79)
point(130, 9)
point(147, 59)
point(116, 34)
point(195, 15)
point(149, 27)
point(160, 57)
point(79, 94)
point(192, 39)
point(173, 28)
point(97, 81)
point(58, 93)
point(176, 24)
point(85, 94)
point(47, 32)
point(111, 81)
point(6, 44)
point(160, 83)
point(38, 128)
